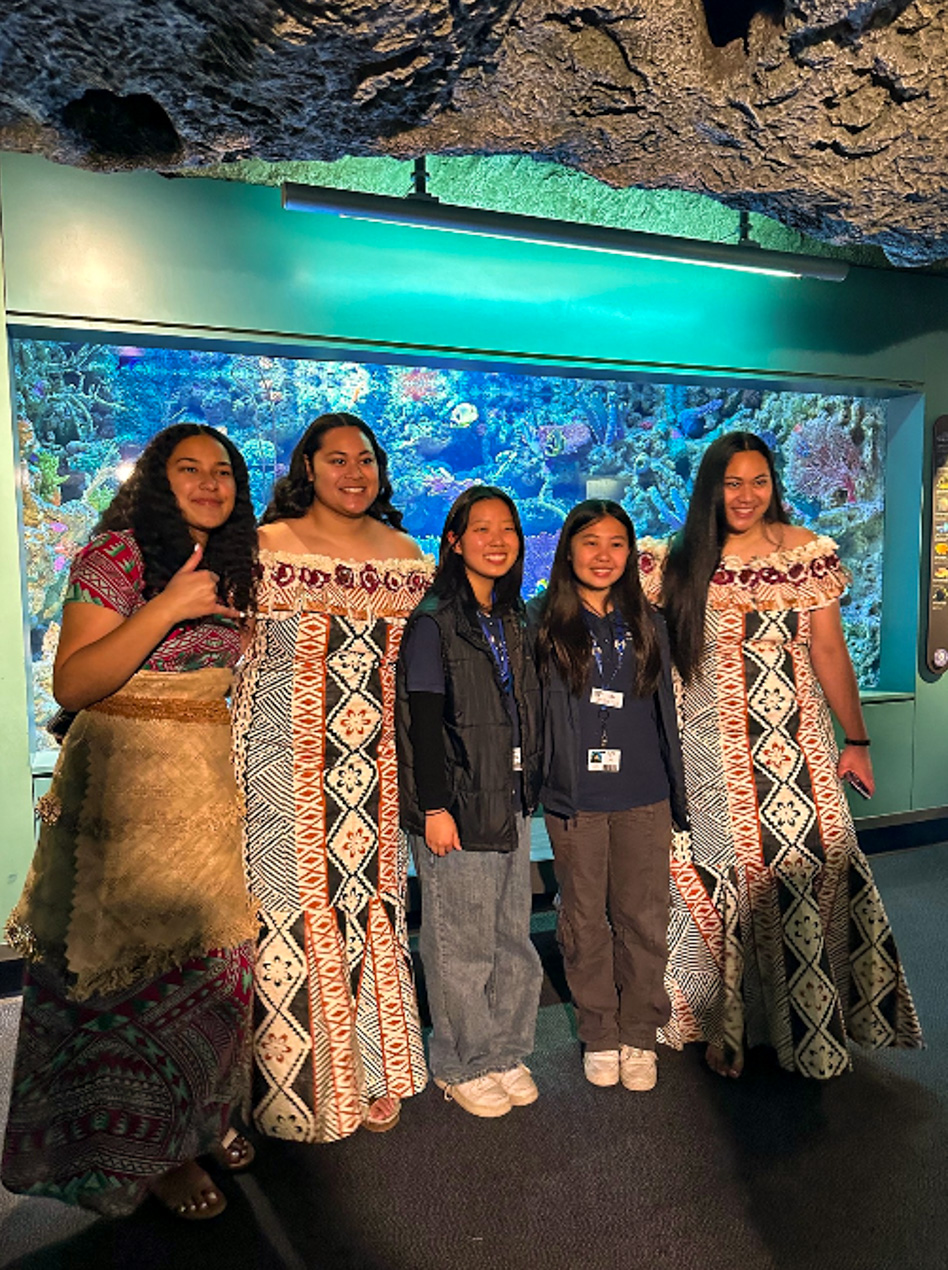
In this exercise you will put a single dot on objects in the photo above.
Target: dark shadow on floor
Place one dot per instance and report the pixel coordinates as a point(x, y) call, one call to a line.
point(771, 1172)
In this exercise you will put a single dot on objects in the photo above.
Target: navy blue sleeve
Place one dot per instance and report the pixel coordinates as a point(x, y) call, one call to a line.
point(421, 652)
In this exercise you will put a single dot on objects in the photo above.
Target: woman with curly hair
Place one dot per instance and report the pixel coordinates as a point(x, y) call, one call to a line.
point(778, 934)
point(135, 924)
point(337, 1042)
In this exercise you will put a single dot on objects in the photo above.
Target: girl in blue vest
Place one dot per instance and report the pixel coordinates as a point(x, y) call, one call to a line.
point(469, 777)
point(612, 786)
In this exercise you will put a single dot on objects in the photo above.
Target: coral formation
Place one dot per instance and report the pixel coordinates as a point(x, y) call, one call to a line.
point(86, 411)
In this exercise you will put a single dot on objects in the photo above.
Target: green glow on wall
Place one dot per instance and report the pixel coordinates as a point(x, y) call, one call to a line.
point(519, 183)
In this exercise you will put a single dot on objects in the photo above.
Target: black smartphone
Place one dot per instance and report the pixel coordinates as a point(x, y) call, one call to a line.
point(852, 779)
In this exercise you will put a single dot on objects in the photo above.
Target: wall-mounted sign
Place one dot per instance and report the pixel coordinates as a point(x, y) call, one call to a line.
point(938, 555)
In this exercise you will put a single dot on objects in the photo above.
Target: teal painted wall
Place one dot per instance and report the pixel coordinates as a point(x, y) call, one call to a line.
point(15, 776)
point(203, 259)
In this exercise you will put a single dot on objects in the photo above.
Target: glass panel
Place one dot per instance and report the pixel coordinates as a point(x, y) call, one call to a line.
point(85, 411)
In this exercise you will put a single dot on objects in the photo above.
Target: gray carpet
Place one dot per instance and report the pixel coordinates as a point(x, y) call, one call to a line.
point(766, 1173)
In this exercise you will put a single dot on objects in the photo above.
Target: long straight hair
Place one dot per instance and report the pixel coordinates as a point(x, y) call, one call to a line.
point(696, 550)
point(563, 639)
point(450, 579)
point(293, 494)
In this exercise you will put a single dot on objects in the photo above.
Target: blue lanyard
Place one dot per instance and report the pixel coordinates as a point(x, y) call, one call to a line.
point(618, 646)
point(498, 647)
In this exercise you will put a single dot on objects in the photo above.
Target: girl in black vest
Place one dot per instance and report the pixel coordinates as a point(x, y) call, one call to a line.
point(469, 777)
point(612, 786)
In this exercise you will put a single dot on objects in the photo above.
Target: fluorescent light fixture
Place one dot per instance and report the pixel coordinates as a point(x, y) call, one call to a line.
point(422, 211)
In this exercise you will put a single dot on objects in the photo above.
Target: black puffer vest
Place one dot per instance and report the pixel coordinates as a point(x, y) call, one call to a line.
point(478, 734)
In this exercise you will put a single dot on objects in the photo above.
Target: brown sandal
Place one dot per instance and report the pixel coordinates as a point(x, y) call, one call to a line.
point(380, 1122)
point(188, 1193)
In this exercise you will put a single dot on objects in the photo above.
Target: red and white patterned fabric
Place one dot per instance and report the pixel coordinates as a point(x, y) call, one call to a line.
point(777, 935)
point(336, 1022)
point(110, 571)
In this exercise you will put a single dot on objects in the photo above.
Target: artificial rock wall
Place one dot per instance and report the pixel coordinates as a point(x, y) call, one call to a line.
point(828, 115)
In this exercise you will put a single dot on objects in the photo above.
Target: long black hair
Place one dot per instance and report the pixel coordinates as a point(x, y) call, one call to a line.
point(450, 579)
point(293, 494)
point(563, 639)
point(145, 504)
point(696, 550)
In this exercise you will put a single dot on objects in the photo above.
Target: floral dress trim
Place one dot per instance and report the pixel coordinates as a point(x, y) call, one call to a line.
point(797, 578)
point(312, 583)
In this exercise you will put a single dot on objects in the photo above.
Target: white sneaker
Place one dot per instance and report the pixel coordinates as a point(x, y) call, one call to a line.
point(517, 1084)
point(601, 1067)
point(638, 1068)
point(481, 1096)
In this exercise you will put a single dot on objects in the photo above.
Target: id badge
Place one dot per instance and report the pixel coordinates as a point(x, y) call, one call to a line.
point(517, 760)
point(603, 760)
point(603, 697)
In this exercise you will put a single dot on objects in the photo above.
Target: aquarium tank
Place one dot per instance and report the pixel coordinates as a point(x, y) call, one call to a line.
point(85, 411)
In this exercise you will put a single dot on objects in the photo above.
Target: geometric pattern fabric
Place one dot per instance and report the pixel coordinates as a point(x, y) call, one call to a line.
point(336, 1020)
point(778, 935)
point(112, 1091)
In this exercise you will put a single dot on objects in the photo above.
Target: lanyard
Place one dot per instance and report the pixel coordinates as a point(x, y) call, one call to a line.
point(498, 647)
point(618, 647)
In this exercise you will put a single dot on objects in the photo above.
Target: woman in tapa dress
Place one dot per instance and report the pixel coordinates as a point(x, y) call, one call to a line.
point(135, 923)
point(778, 935)
point(337, 1042)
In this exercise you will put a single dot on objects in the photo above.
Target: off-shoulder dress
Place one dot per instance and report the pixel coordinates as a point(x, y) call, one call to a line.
point(336, 1023)
point(778, 935)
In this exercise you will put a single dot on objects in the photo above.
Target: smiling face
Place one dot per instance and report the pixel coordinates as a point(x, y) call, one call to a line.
point(202, 481)
point(344, 472)
point(748, 491)
point(489, 546)
point(599, 554)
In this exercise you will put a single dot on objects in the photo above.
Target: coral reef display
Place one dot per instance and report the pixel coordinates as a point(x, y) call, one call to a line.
point(86, 411)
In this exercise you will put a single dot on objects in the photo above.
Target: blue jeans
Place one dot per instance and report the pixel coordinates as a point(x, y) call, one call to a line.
point(482, 972)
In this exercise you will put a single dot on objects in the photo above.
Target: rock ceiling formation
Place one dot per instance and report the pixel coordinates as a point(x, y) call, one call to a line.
point(828, 115)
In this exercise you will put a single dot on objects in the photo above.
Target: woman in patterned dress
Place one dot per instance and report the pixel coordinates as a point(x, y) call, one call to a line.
point(135, 924)
point(337, 1040)
point(778, 935)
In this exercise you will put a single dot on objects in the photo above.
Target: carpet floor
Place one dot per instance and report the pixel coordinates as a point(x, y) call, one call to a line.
point(770, 1172)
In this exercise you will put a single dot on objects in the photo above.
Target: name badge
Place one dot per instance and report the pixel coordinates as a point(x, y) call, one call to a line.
point(603, 760)
point(517, 760)
point(603, 697)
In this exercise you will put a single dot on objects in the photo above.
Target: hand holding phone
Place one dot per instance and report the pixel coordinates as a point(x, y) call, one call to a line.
point(853, 780)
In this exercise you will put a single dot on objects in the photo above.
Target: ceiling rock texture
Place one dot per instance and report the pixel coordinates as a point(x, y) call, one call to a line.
point(829, 115)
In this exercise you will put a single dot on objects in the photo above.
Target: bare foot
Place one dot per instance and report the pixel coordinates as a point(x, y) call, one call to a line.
point(383, 1114)
point(234, 1152)
point(188, 1192)
point(714, 1057)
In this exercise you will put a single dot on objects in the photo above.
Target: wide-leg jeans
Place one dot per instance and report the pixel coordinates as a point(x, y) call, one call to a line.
point(482, 972)
point(612, 870)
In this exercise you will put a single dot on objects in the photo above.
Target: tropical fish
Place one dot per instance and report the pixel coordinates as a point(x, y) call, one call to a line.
point(693, 421)
point(464, 414)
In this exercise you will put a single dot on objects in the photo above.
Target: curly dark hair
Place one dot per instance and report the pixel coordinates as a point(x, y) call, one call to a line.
point(146, 505)
point(563, 639)
point(293, 494)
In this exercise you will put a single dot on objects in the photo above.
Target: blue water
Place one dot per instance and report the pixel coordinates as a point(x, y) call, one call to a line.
point(85, 412)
